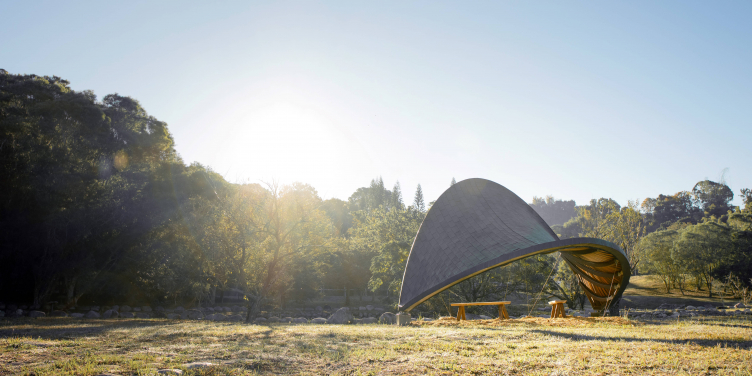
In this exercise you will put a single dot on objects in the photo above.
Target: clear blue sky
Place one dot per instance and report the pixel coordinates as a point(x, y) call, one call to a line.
point(575, 99)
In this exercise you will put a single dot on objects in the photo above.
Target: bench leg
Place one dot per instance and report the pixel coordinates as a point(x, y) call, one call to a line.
point(503, 315)
point(461, 313)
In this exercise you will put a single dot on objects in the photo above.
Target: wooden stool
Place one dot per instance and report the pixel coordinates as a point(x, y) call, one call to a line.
point(557, 308)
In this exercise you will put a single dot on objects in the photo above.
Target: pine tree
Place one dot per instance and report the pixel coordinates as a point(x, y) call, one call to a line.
point(419, 204)
point(453, 182)
point(397, 196)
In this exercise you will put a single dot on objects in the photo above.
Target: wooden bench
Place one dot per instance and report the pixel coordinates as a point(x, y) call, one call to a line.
point(503, 315)
point(557, 308)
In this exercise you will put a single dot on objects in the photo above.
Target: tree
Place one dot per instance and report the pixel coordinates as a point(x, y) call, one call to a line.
point(553, 211)
point(453, 182)
point(418, 203)
point(658, 260)
point(397, 196)
point(713, 198)
point(747, 198)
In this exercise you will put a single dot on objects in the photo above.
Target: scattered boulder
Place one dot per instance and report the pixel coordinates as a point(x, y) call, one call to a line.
point(110, 314)
point(260, 320)
point(136, 309)
point(235, 318)
point(369, 307)
point(318, 320)
point(319, 309)
point(173, 316)
point(195, 314)
point(179, 309)
point(739, 305)
point(387, 318)
point(94, 308)
point(327, 307)
point(170, 372)
point(142, 315)
point(403, 318)
point(300, 320)
point(59, 314)
point(368, 320)
point(92, 315)
point(115, 307)
point(484, 317)
point(159, 309)
point(198, 365)
point(146, 308)
point(286, 320)
point(77, 315)
point(125, 315)
point(273, 320)
point(37, 314)
point(341, 316)
point(216, 317)
point(125, 308)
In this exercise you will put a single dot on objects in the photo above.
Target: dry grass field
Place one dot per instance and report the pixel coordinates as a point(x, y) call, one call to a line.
point(533, 346)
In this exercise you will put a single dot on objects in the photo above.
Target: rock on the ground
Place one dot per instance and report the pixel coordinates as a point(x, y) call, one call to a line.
point(484, 317)
point(37, 314)
point(146, 308)
point(318, 320)
point(179, 309)
point(110, 314)
point(368, 320)
point(59, 314)
point(387, 318)
point(198, 365)
point(300, 320)
point(173, 316)
point(170, 372)
point(77, 315)
point(92, 315)
point(142, 315)
point(125, 315)
point(342, 316)
point(739, 305)
point(216, 317)
point(273, 320)
point(286, 320)
point(260, 320)
point(369, 307)
point(235, 318)
point(94, 308)
point(125, 308)
point(136, 309)
point(195, 314)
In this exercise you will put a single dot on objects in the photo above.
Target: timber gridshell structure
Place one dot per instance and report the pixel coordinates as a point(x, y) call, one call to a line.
point(477, 225)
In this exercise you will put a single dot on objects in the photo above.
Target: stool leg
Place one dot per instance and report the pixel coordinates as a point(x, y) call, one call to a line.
point(553, 311)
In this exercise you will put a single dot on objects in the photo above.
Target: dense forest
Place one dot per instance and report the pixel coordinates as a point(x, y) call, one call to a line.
point(97, 205)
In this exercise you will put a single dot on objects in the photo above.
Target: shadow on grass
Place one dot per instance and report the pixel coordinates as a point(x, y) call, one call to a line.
point(67, 328)
point(693, 341)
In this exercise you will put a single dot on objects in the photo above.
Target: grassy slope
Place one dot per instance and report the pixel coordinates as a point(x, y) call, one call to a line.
point(529, 346)
point(647, 291)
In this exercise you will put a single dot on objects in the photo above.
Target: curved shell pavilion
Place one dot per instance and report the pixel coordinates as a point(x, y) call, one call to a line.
point(477, 225)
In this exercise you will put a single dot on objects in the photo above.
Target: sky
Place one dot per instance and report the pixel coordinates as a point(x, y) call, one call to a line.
point(579, 100)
